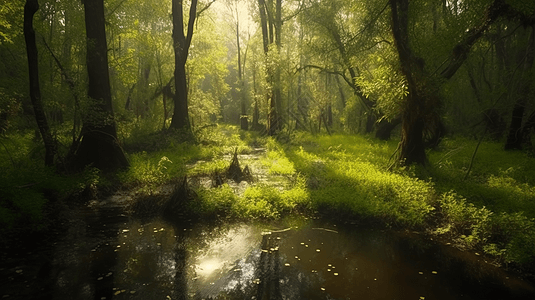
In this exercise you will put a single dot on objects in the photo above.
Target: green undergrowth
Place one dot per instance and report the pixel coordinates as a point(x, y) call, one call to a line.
point(150, 169)
point(27, 187)
point(347, 177)
point(259, 201)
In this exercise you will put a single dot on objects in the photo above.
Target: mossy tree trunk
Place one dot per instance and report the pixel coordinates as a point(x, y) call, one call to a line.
point(420, 115)
point(99, 146)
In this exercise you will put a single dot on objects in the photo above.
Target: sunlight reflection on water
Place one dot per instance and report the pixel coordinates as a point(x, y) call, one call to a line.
point(155, 260)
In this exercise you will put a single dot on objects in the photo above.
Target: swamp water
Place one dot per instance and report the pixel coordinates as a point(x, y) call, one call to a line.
point(108, 255)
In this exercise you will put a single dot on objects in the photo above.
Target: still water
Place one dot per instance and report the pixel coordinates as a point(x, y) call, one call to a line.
point(109, 255)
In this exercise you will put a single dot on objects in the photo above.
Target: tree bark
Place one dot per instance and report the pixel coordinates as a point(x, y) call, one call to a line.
point(412, 149)
point(30, 8)
point(181, 44)
point(99, 147)
point(419, 115)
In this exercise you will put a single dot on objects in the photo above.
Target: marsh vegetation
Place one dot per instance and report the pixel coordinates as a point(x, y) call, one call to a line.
point(400, 118)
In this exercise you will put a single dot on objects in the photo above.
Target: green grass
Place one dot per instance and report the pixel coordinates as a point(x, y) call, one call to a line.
point(27, 187)
point(345, 176)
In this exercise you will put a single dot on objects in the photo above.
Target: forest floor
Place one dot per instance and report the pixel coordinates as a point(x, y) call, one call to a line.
point(340, 176)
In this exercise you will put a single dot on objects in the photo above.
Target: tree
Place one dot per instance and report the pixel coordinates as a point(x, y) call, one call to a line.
point(419, 113)
point(30, 9)
point(99, 146)
point(181, 45)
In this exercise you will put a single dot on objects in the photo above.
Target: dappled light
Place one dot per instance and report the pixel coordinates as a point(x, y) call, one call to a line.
point(267, 149)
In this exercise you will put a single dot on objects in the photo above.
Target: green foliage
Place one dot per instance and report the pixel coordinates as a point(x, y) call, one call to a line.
point(464, 219)
point(213, 202)
point(515, 235)
point(276, 160)
point(27, 187)
point(511, 237)
point(499, 180)
point(347, 174)
point(385, 84)
point(266, 202)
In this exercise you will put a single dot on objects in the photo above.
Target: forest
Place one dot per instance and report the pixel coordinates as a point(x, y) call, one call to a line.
point(407, 116)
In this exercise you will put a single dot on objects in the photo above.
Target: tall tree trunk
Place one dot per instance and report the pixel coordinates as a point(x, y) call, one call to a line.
point(99, 147)
point(244, 123)
point(412, 148)
point(181, 44)
point(266, 18)
point(30, 9)
point(419, 115)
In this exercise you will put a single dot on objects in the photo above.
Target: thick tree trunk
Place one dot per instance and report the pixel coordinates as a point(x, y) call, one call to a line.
point(385, 128)
point(99, 146)
point(412, 149)
point(419, 113)
point(30, 9)
point(181, 46)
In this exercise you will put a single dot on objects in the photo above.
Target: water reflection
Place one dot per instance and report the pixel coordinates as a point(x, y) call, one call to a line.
point(109, 256)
